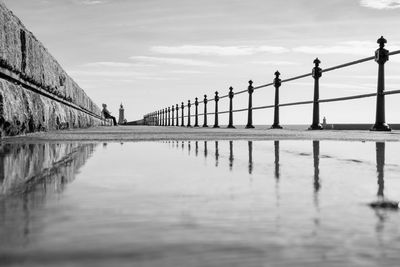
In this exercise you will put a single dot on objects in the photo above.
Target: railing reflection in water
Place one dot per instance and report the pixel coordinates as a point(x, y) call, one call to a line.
point(380, 162)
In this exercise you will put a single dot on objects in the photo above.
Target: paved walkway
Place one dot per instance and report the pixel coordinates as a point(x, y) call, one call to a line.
point(152, 133)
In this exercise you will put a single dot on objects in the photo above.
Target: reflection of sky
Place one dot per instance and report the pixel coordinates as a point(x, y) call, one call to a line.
point(156, 202)
point(153, 54)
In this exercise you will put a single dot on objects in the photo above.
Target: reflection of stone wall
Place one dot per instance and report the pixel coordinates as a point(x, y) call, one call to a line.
point(24, 58)
point(41, 172)
point(32, 163)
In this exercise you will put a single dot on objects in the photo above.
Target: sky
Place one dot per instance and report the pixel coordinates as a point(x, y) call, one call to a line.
point(151, 54)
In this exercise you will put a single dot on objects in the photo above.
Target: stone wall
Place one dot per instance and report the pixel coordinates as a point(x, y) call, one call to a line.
point(35, 92)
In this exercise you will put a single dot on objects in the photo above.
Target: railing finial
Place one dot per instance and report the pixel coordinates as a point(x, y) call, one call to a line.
point(381, 41)
point(317, 62)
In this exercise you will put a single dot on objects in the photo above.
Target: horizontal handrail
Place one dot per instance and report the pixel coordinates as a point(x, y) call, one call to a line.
point(336, 99)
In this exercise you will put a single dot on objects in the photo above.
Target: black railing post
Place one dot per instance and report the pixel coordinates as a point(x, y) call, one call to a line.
point(316, 73)
point(183, 115)
point(188, 121)
point(166, 117)
point(196, 111)
point(205, 111)
point(162, 117)
point(158, 117)
point(277, 84)
point(169, 116)
point(177, 115)
point(250, 90)
point(216, 99)
point(231, 95)
point(173, 116)
point(381, 56)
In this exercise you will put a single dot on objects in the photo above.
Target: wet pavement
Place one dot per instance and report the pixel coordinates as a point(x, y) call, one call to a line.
point(154, 133)
point(199, 203)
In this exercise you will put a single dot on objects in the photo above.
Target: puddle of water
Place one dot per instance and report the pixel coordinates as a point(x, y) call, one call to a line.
point(279, 203)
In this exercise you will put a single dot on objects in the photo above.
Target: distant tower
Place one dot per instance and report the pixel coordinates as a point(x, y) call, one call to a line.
point(121, 118)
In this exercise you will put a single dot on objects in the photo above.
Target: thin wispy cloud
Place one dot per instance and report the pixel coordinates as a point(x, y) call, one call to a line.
point(207, 50)
point(187, 72)
point(90, 73)
point(374, 77)
point(381, 4)
point(116, 76)
point(92, 2)
point(275, 63)
point(175, 61)
point(362, 48)
point(109, 64)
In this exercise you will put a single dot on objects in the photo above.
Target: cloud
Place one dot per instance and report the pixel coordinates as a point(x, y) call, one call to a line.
point(92, 2)
point(381, 4)
point(374, 77)
point(217, 50)
point(187, 72)
point(175, 61)
point(275, 63)
point(81, 73)
point(116, 76)
point(116, 64)
point(353, 48)
point(363, 48)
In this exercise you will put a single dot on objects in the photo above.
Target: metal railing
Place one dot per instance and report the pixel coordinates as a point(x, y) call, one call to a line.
point(170, 116)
